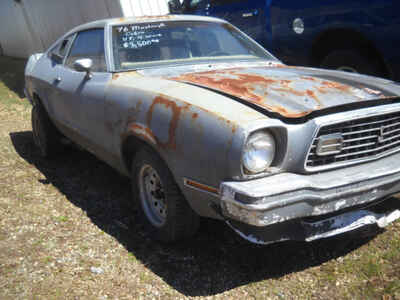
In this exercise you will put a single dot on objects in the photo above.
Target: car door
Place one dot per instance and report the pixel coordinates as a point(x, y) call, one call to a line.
point(82, 94)
point(48, 71)
point(247, 15)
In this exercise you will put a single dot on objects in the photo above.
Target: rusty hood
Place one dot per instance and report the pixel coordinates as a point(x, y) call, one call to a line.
point(291, 92)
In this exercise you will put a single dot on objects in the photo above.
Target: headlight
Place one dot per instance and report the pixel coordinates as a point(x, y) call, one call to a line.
point(259, 152)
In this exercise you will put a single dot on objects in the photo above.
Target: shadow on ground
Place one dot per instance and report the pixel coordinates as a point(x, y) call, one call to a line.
point(214, 261)
point(12, 74)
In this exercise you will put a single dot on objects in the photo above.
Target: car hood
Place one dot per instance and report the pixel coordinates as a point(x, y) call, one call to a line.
point(292, 92)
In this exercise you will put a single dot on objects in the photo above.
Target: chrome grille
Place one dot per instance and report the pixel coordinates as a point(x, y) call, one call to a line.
point(363, 139)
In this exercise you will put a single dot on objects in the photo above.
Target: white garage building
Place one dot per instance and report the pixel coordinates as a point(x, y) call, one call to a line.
point(30, 26)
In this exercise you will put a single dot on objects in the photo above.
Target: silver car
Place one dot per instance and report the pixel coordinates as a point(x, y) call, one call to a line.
point(209, 124)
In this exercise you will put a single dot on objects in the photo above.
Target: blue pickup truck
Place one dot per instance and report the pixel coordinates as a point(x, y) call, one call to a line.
point(350, 35)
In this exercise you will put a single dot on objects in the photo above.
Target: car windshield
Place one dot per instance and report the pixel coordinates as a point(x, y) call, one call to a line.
point(158, 43)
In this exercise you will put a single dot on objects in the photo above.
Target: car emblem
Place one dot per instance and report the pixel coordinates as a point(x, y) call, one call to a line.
point(381, 134)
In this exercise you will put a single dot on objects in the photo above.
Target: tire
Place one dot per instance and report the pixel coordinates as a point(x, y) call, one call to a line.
point(350, 61)
point(164, 212)
point(45, 136)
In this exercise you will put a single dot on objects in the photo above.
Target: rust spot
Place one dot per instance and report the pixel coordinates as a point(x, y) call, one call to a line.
point(244, 86)
point(142, 132)
point(135, 127)
point(285, 82)
point(288, 114)
point(125, 74)
point(290, 91)
point(372, 92)
point(233, 128)
point(282, 66)
point(308, 78)
point(241, 86)
point(334, 85)
point(176, 113)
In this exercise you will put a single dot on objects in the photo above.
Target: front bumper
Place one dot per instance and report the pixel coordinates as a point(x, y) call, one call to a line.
point(287, 196)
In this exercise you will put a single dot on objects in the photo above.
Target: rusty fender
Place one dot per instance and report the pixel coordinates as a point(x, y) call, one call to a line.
point(200, 146)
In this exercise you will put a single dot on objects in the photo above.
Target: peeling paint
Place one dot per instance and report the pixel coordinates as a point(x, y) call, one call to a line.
point(290, 95)
point(174, 122)
point(142, 132)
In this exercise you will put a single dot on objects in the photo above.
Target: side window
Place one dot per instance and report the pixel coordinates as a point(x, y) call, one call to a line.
point(59, 51)
point(88, 44)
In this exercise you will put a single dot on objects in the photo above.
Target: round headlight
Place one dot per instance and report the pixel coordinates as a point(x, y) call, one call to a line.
point(259, 152)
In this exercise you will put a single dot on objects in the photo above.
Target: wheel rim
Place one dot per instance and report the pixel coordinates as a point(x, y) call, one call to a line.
point(38, 137)
point(152, 196)
point(347, 69)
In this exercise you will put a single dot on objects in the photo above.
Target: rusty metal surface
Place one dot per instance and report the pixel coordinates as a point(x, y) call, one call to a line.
point(291, 92)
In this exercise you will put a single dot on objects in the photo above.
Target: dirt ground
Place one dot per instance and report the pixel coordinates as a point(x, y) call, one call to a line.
point(63, 235)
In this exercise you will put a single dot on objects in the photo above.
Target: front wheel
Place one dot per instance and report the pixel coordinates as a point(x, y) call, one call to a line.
point(164, 211)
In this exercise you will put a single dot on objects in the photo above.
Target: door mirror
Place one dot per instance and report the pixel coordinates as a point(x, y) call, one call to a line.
point(84, 65)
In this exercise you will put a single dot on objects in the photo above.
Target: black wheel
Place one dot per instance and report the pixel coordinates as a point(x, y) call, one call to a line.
point(45, 136)
point(164, 211)
point(350, 61)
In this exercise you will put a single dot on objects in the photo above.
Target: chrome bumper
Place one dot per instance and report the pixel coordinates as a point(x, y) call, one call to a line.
point(287, 196)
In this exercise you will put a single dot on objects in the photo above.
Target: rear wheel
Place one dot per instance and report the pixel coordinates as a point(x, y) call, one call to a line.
point(164, 211)
point(350, 61)
point(45, 136)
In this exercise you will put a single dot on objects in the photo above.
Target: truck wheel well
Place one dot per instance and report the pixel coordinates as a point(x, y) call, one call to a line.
point(345, 39)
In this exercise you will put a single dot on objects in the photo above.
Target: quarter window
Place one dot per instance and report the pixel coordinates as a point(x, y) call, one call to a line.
point(60, 50)
point(89, 44)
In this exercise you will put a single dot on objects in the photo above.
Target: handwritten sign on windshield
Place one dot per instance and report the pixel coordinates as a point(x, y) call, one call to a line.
point(139, 36)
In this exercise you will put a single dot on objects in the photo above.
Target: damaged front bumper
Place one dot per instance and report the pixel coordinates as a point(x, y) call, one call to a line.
point(279, 201)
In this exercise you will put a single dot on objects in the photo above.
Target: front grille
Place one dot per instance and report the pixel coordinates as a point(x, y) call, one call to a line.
point(363, 139)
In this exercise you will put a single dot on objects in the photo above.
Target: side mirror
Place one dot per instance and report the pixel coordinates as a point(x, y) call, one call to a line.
point(84, 65)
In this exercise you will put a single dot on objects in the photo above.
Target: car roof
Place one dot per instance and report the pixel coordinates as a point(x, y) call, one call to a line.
point(133, 20)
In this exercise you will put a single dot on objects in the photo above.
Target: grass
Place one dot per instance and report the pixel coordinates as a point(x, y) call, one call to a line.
point(61, 217)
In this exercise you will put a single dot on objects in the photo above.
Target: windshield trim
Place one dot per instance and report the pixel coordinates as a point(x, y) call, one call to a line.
point(197, 63)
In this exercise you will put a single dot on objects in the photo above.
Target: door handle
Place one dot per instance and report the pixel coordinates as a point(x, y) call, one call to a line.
point(57, 79)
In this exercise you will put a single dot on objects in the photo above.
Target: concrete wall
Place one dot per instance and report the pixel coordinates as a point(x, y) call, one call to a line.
point(30, 26)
